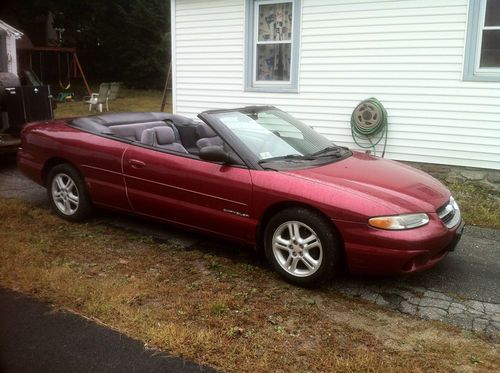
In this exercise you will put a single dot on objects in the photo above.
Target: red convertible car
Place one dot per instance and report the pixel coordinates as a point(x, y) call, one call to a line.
point(255, 175)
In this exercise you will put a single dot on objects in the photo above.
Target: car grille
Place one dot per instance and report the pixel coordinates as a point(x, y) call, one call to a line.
point(449, 213)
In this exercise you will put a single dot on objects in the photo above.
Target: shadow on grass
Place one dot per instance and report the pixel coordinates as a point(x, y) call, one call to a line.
point(180, 238)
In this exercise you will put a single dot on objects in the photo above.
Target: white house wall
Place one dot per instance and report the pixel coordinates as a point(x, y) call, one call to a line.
point(407, 53)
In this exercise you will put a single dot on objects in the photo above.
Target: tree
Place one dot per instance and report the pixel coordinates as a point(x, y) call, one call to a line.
point(118, 40)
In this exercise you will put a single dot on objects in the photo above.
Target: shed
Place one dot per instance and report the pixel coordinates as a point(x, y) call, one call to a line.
point(434, 64)
point(8, 56)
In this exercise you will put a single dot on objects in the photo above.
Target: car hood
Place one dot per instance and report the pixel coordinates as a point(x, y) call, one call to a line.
point(399, 187)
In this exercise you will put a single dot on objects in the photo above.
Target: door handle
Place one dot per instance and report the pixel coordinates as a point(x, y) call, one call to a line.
point(136, 163)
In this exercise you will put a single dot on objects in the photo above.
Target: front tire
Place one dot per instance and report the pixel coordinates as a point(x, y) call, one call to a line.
point(67, 193)
point(302, 246)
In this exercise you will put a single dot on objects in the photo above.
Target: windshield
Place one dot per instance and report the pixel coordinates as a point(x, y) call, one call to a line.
point(272, 134)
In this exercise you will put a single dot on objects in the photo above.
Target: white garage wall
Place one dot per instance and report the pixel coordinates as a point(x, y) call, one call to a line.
point(406, 53)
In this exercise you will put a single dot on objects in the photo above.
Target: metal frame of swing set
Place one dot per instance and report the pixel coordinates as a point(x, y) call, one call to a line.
point(75, 63)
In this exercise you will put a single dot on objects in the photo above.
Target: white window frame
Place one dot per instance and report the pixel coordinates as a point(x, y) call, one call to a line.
point(252, 42)
point(472, 60)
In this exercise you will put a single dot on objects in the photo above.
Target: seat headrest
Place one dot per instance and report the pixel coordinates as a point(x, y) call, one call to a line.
point(138, 128)
point(203, 131)
point(164, 135)
point(148, 136)
point(158, 136)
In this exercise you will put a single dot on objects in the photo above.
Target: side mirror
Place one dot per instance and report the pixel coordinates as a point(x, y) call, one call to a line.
point(214, 153)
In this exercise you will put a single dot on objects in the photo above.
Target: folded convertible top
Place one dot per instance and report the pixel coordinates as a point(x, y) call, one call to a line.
point(101, 123)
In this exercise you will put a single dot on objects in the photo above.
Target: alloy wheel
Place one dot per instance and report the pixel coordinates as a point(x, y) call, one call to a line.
point(65, 194)
point(297, 248)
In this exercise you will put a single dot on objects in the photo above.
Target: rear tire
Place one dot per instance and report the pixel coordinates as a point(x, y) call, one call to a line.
point(302, 246)
point(67, 194)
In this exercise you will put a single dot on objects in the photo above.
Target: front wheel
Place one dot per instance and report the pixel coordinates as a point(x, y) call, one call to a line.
point(67, 194)
point(302, 246)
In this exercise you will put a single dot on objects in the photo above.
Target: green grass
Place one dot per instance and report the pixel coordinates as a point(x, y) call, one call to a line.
point(128, 100)
point(480, 205)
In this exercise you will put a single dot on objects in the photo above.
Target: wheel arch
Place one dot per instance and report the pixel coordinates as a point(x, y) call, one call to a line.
point(51, 163)
point(83, 205)
point(280, 206)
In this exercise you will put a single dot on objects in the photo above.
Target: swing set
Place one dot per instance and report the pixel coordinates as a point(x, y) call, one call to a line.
point(72, 68)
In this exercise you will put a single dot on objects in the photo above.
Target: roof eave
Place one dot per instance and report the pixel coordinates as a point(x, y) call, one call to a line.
point(11, 31)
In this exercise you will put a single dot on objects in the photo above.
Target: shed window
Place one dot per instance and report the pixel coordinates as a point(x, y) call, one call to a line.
point(272, 45)
point(482, 58)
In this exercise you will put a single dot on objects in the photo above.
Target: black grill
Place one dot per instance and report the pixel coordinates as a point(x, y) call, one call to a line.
point(447, 218)
point(22, 104)
point(448, 213)
point(442, 208)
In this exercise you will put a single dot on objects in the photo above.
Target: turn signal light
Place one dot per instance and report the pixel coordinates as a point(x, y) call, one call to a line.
point(399, 222)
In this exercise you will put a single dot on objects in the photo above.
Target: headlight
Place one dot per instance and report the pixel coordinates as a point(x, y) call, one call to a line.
point(398, 222)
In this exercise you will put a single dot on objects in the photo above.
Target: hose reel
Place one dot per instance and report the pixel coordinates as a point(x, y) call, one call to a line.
point(369, 123)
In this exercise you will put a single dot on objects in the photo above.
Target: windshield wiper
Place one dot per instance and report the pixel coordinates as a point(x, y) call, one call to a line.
point(334, 150)
point(288, 157)
point(329, 150)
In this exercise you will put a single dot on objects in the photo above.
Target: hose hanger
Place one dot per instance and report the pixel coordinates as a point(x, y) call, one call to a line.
point(369, 124)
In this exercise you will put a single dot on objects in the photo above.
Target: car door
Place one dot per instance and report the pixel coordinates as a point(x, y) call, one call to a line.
point(100, 161)
point(196, 193)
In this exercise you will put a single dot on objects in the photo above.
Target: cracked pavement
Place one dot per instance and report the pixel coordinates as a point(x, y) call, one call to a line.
point(461, 290)
point(474, 315)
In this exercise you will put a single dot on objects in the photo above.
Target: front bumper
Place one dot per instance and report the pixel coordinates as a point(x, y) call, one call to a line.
point(383, 252)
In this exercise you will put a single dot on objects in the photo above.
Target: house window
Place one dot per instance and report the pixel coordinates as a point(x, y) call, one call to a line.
point(272, 38)
point(482, 53)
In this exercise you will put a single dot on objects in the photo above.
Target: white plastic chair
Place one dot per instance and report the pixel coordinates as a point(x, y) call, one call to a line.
point(97, 99)
point(114, 87)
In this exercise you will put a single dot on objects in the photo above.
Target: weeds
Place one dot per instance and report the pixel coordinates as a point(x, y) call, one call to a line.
point(479, 205)
point(248, 322)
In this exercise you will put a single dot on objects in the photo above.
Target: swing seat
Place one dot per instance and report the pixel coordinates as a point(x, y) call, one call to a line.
point(98, 99)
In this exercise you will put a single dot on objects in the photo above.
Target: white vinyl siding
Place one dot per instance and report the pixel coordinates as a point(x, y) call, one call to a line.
point(409, 54)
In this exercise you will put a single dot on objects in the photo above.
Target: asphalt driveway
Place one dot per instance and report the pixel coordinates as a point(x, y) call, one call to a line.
point(463, 289)
point(35, 338)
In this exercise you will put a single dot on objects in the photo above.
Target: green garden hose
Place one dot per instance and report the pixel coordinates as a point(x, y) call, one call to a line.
point(369, 123)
